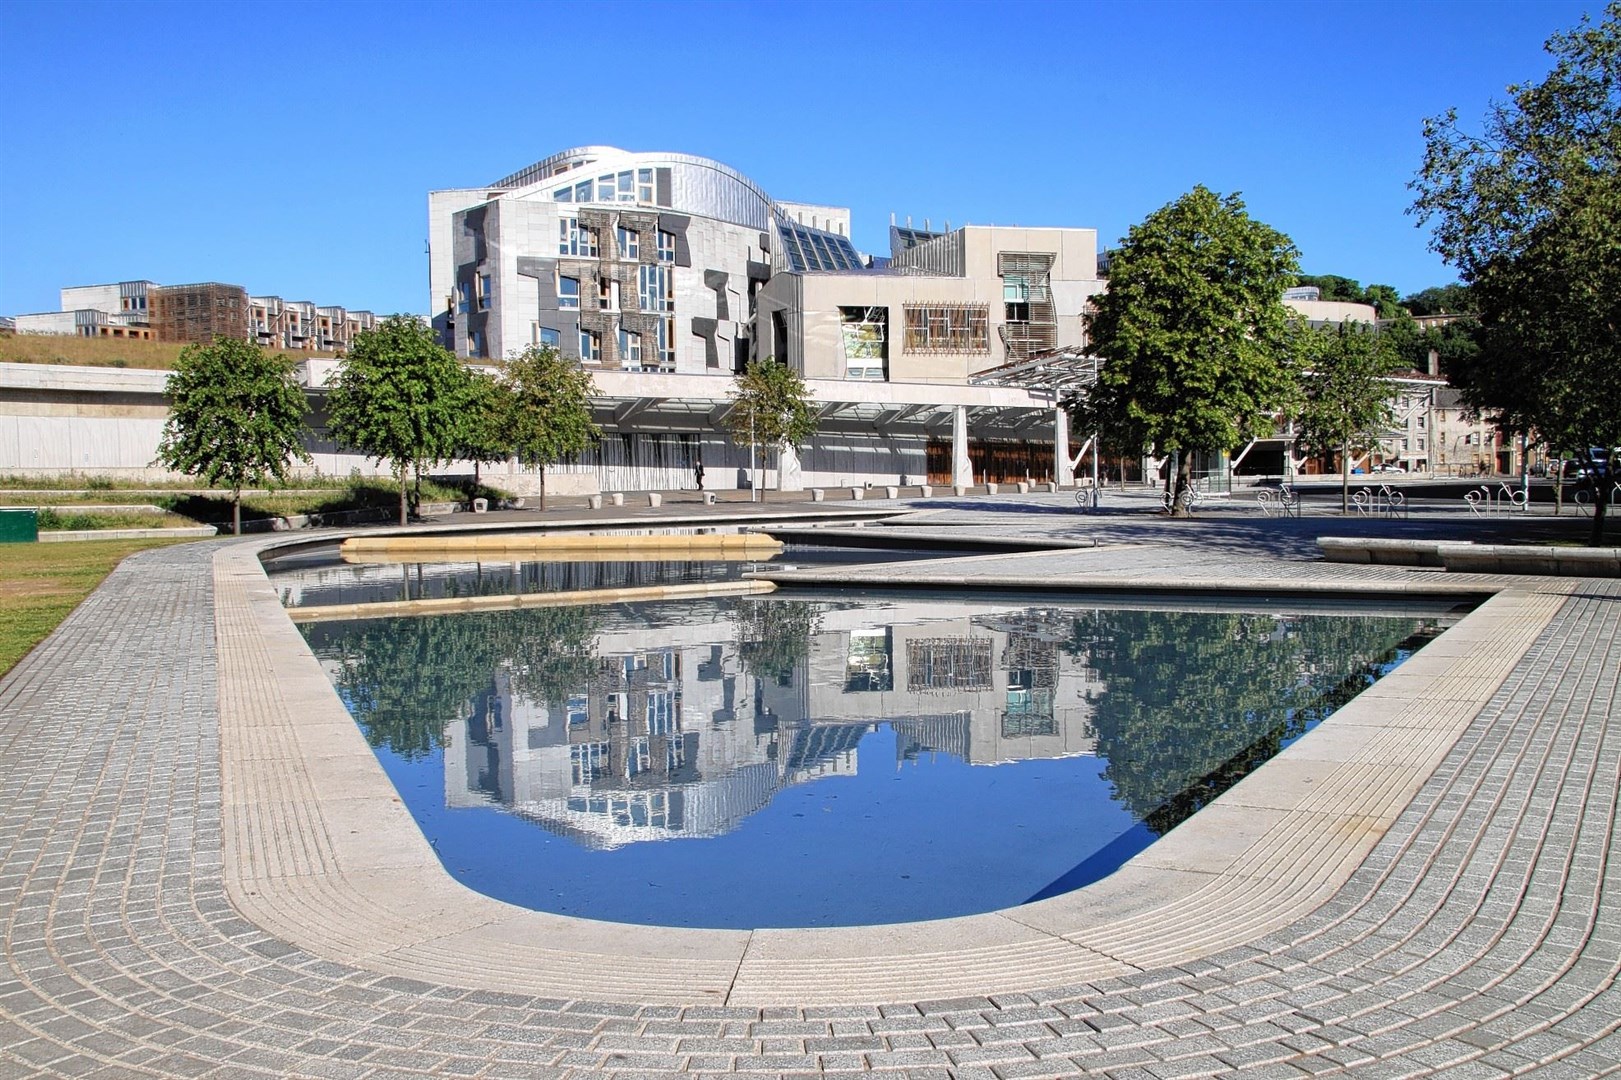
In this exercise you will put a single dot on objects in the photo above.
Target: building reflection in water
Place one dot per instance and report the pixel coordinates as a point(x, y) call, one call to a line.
point(684, 730)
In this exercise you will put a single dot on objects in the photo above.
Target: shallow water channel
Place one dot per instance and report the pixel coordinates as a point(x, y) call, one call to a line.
point(823, 759)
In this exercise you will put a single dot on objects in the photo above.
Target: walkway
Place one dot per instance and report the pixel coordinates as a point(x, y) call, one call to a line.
point(150, 798)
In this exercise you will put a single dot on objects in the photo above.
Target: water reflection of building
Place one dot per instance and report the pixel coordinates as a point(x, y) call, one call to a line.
point(984, 688)
point(671, 735)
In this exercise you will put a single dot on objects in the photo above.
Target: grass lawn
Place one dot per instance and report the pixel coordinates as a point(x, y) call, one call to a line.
point(41, 583)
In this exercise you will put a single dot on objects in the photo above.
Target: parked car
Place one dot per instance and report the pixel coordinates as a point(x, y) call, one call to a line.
point(1390, 466)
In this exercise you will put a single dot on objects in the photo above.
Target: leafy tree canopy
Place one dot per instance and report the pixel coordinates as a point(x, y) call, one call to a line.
point(1529, 211)
point(1195, 339)
point(236, 417)
point(1451, 299)
point(549, 416)
point(771, 405)
point(1345, 393)
point(399, 396)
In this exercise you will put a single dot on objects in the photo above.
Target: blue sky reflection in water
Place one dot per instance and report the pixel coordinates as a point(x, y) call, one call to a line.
point(829, 762)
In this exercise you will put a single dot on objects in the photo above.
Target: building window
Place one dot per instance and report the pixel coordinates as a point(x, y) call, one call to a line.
point(666, 247)
point(630, 349)
point(547, 337)
point(605, 188)
point(865, 332)
point(484, 292)
point(563, 195)
point(576, 239)
point(462, 304)
point(590, 347)
point(605, 293)
point(947, 328)
point(644, 185)
point(661, 716)
point(666, 344)
point(475, 343)
point(629, 243)
point(627, 187)
point(654, 291)
point(568, 293)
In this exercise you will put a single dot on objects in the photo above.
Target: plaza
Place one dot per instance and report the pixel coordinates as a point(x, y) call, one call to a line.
point(205, 872)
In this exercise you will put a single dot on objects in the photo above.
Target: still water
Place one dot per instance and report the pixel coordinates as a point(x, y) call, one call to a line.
point(787, 761)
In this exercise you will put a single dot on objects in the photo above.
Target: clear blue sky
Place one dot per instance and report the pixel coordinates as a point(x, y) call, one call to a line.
point(290, 147)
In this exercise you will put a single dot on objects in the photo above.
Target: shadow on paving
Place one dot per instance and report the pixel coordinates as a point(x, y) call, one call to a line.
point(1241, 530)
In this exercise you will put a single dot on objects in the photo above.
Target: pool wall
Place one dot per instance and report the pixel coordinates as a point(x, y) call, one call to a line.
point(320, 851)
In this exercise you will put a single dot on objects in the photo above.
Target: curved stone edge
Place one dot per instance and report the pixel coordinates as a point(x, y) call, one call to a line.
point(320, 852)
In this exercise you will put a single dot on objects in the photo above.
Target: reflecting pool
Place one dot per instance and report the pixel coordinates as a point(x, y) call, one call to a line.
point(795, 761)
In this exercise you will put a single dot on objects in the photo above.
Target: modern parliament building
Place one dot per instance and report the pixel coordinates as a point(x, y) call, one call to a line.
point(665, 274)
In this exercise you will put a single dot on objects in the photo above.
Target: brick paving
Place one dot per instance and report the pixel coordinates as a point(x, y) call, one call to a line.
point(1479, 937)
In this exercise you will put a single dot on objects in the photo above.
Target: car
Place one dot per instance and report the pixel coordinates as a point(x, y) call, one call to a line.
point(1390, 466)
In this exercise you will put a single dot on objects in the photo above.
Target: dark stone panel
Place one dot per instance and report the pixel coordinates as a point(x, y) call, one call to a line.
point(676, 224)
point(759, 271)
point(661, 186)
point(705, 328)
point(717, 280)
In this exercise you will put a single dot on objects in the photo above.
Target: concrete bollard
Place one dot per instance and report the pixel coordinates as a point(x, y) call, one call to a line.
point(958, 489)
point(926, 491)
point(654, 499)
point(858, 493)
point(1024, 487)
point(990, 489)
point(594, 502)
point(617, 498)
point(481, 506)
point(817, 494)
point(709, 498)
point(893, 492)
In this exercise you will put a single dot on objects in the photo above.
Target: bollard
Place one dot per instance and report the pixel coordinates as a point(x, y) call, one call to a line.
point(1024, 487)
point(617, 498)
point(709, 498)
point(858, 493)
point(926, 491)
point(481, 506)
point(990, 489)
point(958, 489)
point(654, 499)
point(817, 494)
point(893, 492)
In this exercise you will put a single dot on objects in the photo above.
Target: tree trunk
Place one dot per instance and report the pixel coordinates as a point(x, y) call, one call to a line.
point(401, 474)
point(1601, 501)
point(236, 513)
point(1345, 478)
point(1184, 476)
point(543, 487)
point(474, 494)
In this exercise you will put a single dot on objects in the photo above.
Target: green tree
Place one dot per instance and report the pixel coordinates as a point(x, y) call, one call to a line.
point(1451, 299)
point(1345, 401)
point(1194, 701)
point(549, 413)
point(1528, 209)
point(774, 634)
point(236, 418)
point(1195, 338)
point(399, 397)
point(771, 407)
point(483, 435)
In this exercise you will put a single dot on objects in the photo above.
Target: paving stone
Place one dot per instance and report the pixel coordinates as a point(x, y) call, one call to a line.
point(1481, 913)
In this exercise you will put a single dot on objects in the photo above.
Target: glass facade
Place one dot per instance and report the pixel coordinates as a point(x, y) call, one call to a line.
point(814, 249)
